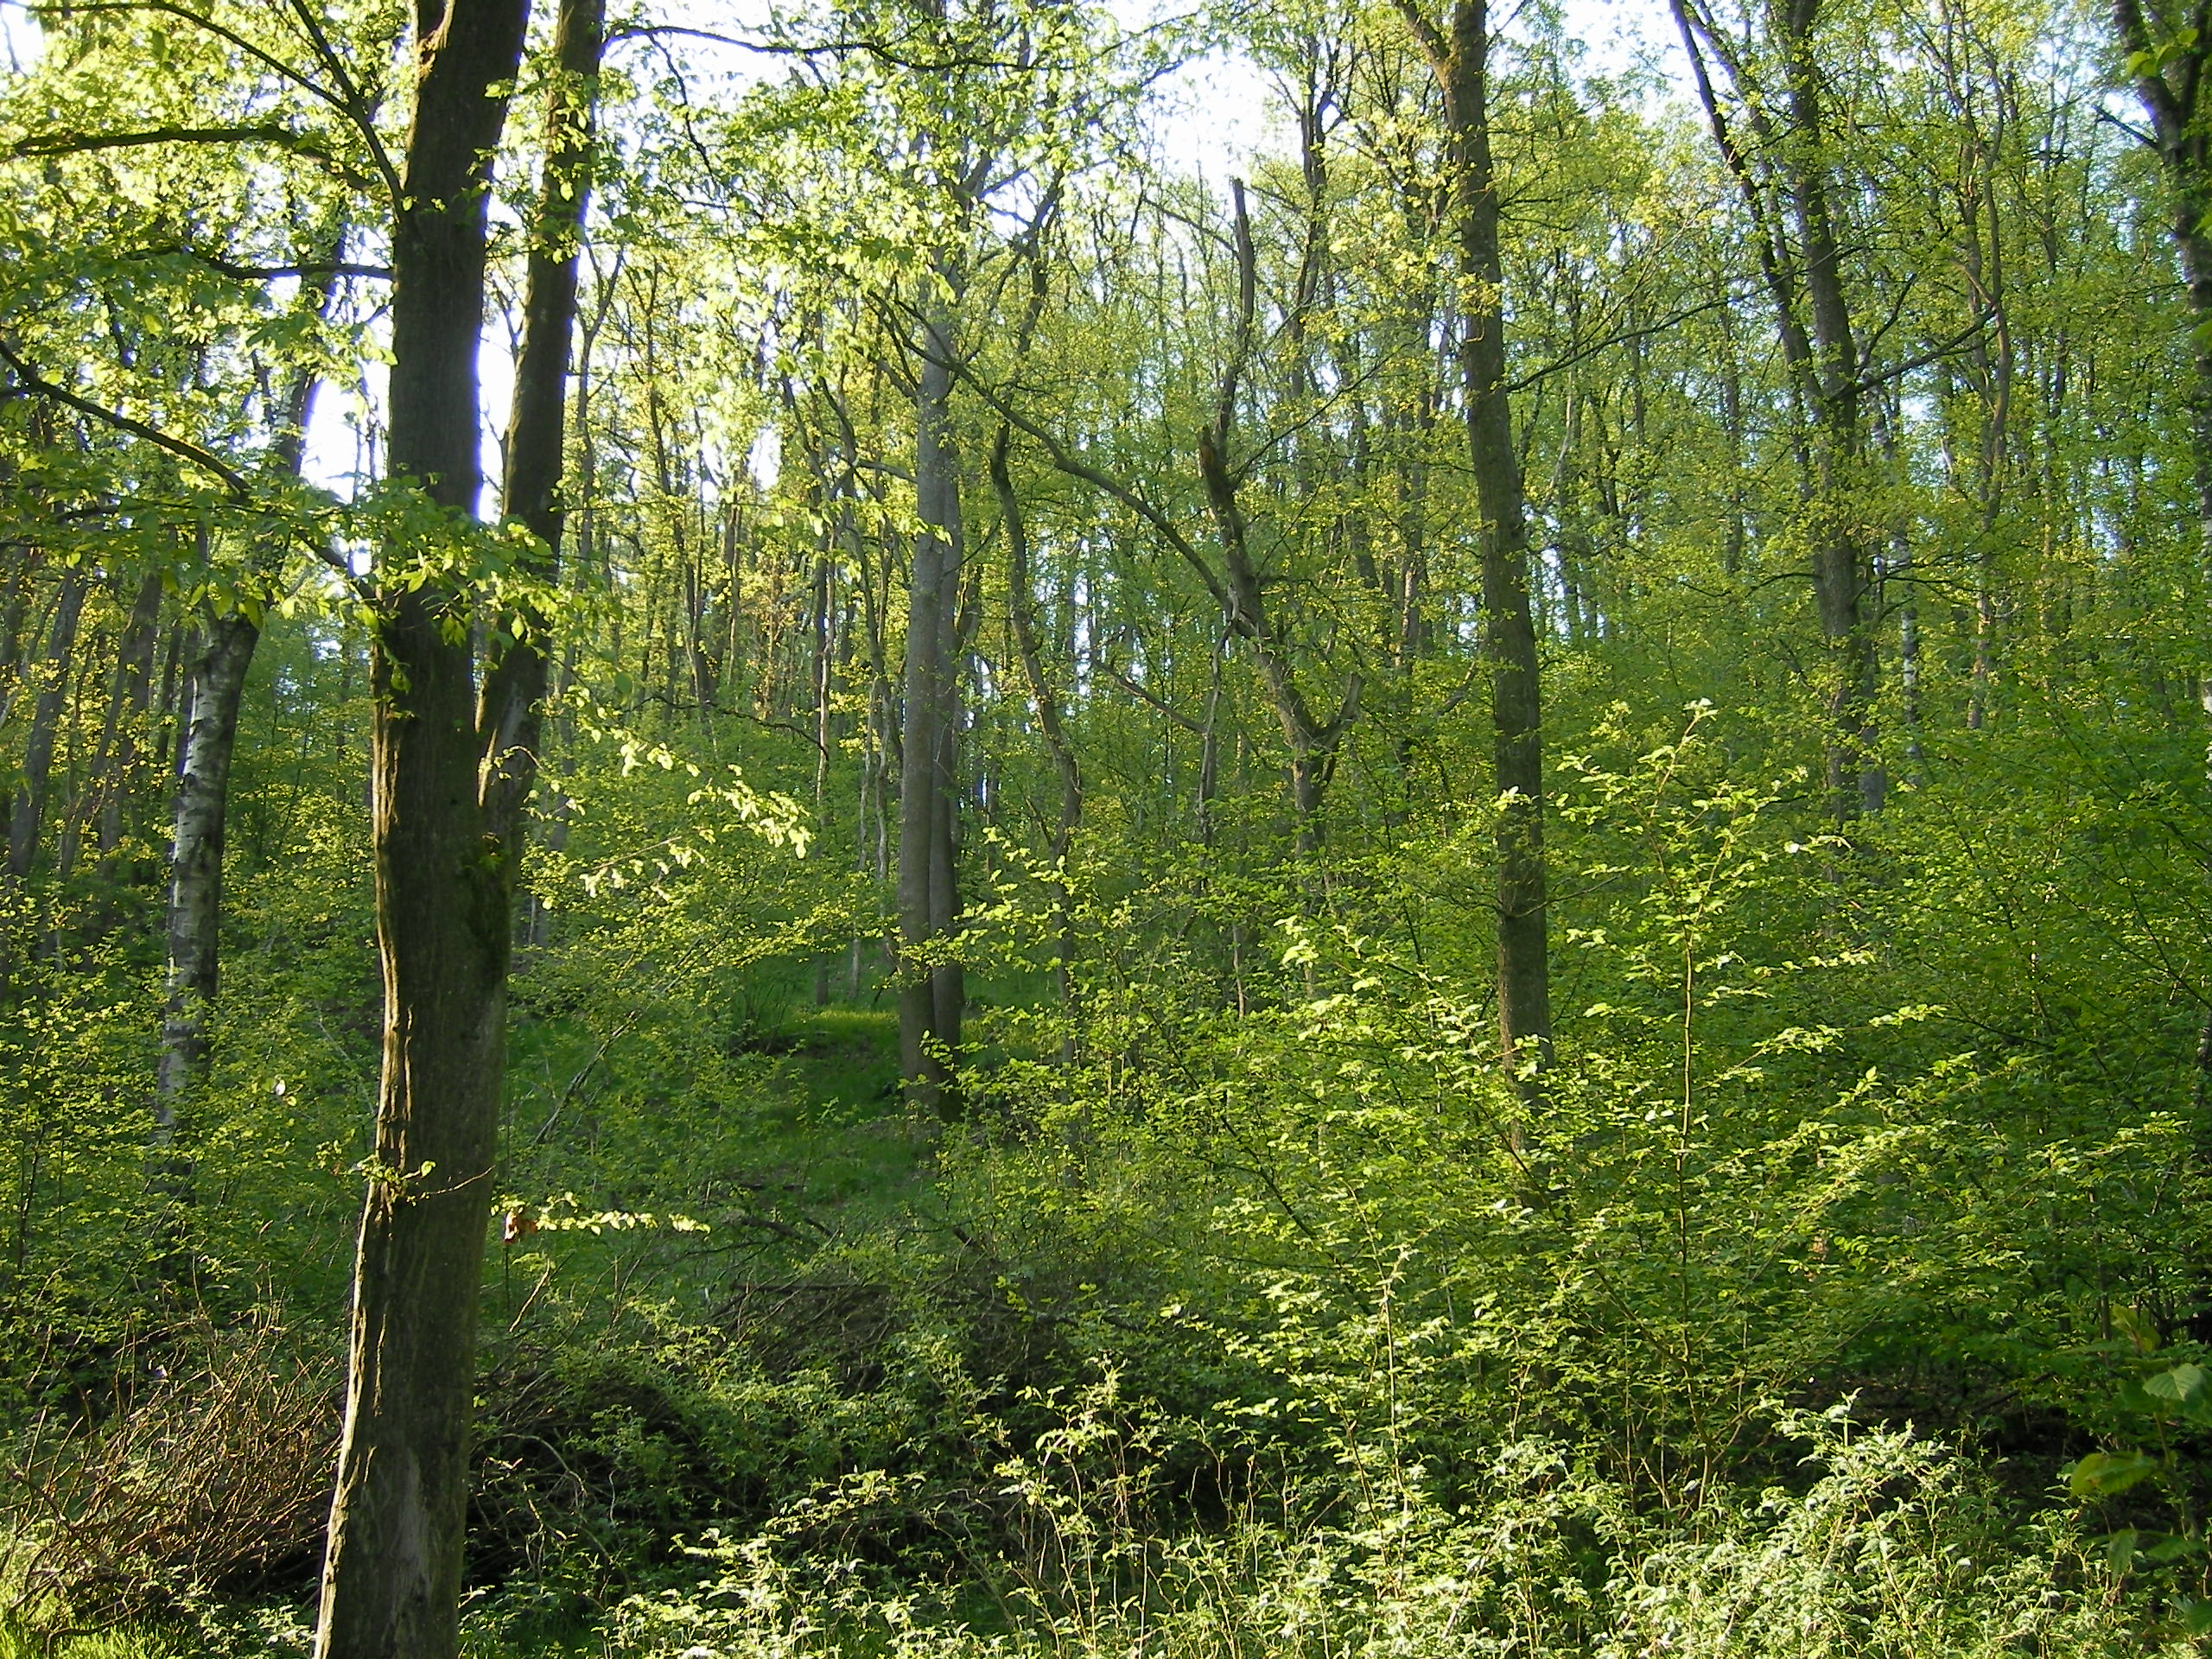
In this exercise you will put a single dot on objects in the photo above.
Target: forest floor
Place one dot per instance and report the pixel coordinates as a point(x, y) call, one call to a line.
point(829, 1377)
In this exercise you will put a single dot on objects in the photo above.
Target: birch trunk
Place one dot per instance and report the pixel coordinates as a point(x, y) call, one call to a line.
point(215, 683)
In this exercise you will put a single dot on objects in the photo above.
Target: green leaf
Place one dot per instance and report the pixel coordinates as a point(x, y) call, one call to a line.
point(2101, 1474)
point(2181, 1383)
point(2119, 1549)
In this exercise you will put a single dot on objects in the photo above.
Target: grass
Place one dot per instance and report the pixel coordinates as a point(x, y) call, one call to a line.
point(130, 1644)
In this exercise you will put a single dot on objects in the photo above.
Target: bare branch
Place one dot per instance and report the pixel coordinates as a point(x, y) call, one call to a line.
point(31, 381)
point(272, 133)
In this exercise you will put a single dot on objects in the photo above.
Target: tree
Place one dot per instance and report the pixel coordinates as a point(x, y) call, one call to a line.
point(2168, 54)
point(1459, 57)
point(1784, 171)
point(450, 772)
point(2169, 49)
point(214, 684)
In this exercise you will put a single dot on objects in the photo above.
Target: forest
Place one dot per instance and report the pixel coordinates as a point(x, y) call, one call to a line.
point(925, 829)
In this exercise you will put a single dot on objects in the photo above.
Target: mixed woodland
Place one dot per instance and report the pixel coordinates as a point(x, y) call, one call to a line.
point(805, 856)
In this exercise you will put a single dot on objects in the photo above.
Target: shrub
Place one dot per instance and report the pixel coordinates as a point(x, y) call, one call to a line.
point(214, 1476)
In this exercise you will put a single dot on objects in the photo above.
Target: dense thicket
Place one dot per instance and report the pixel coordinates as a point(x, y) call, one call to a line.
point(1447, 894)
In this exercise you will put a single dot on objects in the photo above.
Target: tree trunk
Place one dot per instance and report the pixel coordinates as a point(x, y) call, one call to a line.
point(2169, 79)
point(134, 701)
point(512, 714)
point(214, 686)
point(1786, 179)
point(444, 880)
point(931, 990)
point(1022, 611)
point(821, 628)
point(1313, 745)
point(2169, 76)
point(1460, 63)
point(1842, 564)
point(29, 818)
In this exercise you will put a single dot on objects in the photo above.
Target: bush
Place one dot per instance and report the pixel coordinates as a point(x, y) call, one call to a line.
point(1892, 1549)
point(213, 1476)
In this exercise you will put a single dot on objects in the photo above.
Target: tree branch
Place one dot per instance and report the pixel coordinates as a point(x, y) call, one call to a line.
point(274, 133)
point(233, 480)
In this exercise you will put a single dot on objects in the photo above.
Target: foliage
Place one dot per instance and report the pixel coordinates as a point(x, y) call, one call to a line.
point(1838, 1287)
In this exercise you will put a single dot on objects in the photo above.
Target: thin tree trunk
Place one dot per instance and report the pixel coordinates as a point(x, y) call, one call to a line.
point(822, 627)
point(1460, 63)
point(214, 686)
point(27, 819)
point(1022, 611)
point(1313, 745)
point(1842, 568)
point(134, 705)
point(1786, 179)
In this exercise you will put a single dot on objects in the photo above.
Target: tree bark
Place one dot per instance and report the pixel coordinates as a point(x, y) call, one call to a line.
point(27, 819)
point(1021, 612)
point(2169, 80)
point(1460, 64)
point(445, 878)
point(214, 687)
point(1313, 744)
point(1842, 562)
point(931, 990)
point(2169, 76)
point(1785, 184)
point(512, 711)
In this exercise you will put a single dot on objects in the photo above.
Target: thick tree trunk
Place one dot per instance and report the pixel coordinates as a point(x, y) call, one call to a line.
point(1460, 62)
point(392, 1574)
point(931, 991)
